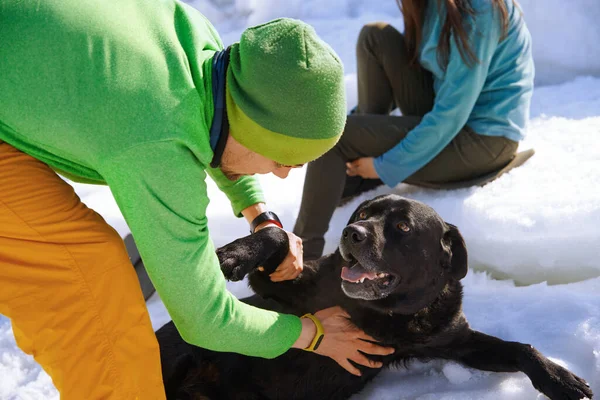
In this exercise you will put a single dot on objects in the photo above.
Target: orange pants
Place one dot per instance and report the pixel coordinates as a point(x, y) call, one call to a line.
point(68, 286)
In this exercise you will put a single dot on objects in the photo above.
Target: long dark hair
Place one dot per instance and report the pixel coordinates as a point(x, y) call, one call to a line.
point(456, 12)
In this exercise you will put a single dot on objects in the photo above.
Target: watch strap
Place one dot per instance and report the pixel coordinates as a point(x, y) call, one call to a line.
point(264, 217)
point(316, 342)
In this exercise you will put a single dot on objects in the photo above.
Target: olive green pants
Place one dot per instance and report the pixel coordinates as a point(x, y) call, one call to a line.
point(386, 80)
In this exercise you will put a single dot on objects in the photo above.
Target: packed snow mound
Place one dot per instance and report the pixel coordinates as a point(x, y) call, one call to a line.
point(565, 33)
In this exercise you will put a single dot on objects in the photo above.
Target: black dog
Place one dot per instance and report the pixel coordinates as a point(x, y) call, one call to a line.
point(400, 265)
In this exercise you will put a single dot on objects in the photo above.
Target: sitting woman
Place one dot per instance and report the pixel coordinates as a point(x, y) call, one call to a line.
point(462, 76)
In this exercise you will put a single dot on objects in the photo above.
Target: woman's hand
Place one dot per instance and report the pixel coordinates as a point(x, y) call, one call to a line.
point(342, 340)
point(363, 167)
point(292, 264)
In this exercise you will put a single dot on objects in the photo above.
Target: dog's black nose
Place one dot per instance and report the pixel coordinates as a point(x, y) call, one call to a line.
point(355, 233)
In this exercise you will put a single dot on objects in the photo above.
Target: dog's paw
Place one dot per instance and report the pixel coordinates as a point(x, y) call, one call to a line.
point(562, 384)
point(266, 248)
point(236, 261)
point(232, 271)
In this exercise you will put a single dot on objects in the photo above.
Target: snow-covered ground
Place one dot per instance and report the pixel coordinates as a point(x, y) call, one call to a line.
point(565, 33)
point(538, 226)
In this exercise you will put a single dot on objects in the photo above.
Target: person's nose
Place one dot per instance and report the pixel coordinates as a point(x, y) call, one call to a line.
point(282, 172)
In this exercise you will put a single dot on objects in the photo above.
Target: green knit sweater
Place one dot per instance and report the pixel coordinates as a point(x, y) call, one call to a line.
point(119, 93)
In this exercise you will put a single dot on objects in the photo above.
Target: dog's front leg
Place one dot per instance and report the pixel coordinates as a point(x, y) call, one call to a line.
point(266, 249)
point(258, 255)
point(299, 294)
point(490, 353)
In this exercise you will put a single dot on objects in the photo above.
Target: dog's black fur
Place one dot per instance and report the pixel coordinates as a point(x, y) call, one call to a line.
point(416, 309)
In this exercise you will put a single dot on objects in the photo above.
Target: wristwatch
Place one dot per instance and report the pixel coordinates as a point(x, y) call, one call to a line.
point(264, 217)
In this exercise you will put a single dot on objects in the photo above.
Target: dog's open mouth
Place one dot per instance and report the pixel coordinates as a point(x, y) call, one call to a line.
point(358, 274)
point(367, 284)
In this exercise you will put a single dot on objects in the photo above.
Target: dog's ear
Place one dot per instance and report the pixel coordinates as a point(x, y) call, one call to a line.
point(455, 253)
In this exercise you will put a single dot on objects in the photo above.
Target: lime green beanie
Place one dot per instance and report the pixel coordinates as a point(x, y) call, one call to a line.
point(285, 92)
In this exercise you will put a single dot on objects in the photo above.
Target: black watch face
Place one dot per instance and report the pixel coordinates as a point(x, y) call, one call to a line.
point(263, 217)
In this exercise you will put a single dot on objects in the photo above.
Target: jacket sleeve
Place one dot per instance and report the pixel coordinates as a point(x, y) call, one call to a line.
point(454, 101)
point(242, 193)
point(164, 204)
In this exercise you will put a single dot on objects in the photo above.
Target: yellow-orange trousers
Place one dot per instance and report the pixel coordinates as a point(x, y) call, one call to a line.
point(68, 286)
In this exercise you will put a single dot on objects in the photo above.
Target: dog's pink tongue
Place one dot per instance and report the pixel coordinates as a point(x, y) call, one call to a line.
point(356, 273)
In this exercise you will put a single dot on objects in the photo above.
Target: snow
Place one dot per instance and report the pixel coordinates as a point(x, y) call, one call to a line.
point(456, 373)
point(532, 235)
point(565, 34)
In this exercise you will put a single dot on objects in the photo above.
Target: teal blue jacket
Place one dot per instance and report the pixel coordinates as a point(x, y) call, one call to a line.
point(492, 97)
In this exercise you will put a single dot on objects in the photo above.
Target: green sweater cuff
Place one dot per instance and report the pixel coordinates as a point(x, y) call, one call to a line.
point(291, 328)
point(266, 334)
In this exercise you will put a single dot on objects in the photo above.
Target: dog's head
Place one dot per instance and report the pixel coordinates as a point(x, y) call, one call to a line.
point(399, 254)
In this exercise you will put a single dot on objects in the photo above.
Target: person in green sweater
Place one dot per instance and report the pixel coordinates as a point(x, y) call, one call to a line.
point(141, 96)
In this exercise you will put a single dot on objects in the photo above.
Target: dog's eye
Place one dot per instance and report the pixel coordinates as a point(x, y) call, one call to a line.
point(403, 226)
point(362, 215)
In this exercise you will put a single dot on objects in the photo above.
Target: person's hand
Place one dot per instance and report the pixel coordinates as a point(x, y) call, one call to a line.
point(363, 167)
point(292, 264)
point(342, 340)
